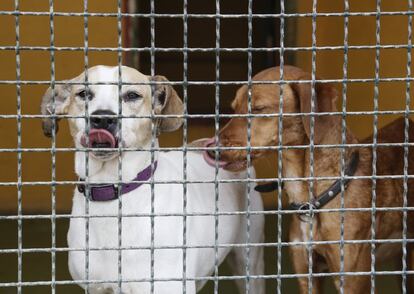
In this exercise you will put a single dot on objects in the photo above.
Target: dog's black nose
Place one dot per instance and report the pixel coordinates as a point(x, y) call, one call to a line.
point(104, 119)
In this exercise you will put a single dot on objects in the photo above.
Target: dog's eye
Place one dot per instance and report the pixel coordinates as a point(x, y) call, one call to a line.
point(85, 94)
point(257, 109)
point(132, 96)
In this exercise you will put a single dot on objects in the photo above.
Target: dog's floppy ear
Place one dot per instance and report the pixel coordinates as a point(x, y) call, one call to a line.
point(325, 101)
point(167, 102)
point(60, 103)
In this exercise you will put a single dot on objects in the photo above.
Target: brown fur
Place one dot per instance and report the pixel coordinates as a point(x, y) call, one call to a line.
point(171, 105)
point(296, 163)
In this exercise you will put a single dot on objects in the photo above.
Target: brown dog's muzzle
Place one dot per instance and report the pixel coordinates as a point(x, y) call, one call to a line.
point(231, 151)
point(234, 134)
point(231, 136)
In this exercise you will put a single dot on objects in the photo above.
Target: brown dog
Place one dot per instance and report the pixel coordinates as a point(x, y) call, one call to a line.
point(296, 164)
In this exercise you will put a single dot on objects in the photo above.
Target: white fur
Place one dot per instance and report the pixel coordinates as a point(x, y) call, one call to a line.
point(168, 230)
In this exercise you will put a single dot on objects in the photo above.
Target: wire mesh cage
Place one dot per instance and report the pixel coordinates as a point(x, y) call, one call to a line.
point(331, 137)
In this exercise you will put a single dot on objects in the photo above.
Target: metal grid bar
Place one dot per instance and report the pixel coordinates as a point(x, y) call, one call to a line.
point(343, 141)
point(207, 278)
point(208, 49)
point(249, 137)
point(217, 83)
point(374, 145)
point(152, 52)
point(213, 16)
point(310, 236)
point(19, 155)
point(214, 83)
point(259, 212)
point(87, 129)
point(279, 153)
point(230, 245)
point(299, 114)
point(406, 139)
point(120, 151)
point(53, 187)
point(185, 139)
point(291, 179)
point(216, 137)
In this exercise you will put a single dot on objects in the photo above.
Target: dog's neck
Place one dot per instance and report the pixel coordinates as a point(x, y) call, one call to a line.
point(132, 162)
point(326, 161)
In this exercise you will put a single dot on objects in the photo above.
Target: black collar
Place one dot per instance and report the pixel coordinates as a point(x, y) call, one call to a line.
point(268, 187)
point(324, 198)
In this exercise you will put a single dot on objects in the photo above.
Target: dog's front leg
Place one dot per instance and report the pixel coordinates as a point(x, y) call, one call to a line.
point(99, 290)
point(300, 257)
point(174, 287)
point(357, 259)
point(163, 287)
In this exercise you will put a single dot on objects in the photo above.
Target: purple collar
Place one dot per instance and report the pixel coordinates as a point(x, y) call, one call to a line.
point(108, 192)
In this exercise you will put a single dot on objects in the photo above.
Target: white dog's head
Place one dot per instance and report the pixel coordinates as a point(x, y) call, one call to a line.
point(103, 109)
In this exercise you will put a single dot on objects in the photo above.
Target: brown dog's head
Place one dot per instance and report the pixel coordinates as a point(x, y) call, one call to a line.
point(265, 99)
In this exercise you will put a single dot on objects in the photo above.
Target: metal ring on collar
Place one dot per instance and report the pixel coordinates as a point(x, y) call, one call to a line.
point(306, 211)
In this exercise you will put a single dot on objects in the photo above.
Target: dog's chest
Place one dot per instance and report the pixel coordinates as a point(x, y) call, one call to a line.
point(107, 232)
point(139, 230)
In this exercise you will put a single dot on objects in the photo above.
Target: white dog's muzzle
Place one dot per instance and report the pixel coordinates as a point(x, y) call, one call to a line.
point(102, 134)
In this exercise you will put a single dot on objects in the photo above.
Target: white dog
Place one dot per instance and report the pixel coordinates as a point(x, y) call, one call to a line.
point(164, 233)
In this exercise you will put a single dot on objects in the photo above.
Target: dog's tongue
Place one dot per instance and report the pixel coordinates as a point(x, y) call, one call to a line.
point(99, 138)
point(210, 142)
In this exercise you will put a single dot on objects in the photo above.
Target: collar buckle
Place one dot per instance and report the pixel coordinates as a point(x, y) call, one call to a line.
point(305, 211)
point(99, 192)
point(102, 192)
